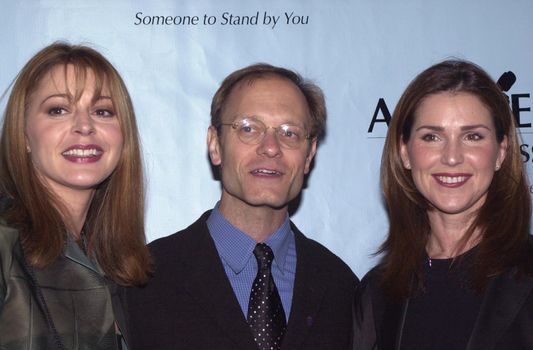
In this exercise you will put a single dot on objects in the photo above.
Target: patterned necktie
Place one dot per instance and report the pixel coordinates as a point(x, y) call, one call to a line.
point(265, 311)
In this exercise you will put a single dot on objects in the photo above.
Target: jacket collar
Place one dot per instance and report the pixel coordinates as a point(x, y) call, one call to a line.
point(308, 293)
point(74, 253)
point(214, 293)
point(217, 298)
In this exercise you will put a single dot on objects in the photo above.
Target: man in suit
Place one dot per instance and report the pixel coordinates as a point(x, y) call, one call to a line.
point(243, 277)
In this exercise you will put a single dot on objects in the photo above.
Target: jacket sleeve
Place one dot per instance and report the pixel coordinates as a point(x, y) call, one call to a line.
point(364, 330)
point(3, 278)
point(8, 238)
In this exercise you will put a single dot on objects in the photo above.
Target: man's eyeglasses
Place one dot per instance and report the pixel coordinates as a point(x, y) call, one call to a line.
point(252, 131)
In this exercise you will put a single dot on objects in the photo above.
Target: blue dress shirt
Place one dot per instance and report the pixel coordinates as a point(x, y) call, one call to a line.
point(235, 249)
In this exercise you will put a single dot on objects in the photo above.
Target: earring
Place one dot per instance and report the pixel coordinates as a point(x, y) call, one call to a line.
point(497, 167)
point(28, 149)
point(408, 166)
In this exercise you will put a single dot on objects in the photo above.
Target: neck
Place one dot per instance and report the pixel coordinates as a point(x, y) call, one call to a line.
point(447, 234)
point(77, 205)
point(257, 222)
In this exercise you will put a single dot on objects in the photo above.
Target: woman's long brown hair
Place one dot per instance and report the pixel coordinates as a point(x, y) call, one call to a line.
point(504, 218)
point(115, 221)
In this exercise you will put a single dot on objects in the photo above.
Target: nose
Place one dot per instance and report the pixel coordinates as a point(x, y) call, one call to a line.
point(83, 124)
point(452, 153)
point(269, 145)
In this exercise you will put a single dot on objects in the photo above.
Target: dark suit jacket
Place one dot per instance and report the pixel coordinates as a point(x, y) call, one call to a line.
point(190, 304)
point(505, 320)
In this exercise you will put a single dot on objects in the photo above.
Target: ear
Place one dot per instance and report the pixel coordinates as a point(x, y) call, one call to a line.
point(502, 152)
point(310, 155)
point(213, 146)
point(404, 154)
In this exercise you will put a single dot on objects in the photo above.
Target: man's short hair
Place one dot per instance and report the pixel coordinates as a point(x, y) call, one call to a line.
point(312, 93)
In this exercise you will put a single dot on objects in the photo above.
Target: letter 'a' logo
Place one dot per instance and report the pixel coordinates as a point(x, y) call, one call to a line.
point(506, 80)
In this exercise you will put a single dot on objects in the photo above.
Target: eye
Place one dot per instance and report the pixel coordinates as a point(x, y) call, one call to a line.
point(57, 111)
point(248, 127)
point(430, 137)
point(290, 132)
point(104, 113)
point(474, 136)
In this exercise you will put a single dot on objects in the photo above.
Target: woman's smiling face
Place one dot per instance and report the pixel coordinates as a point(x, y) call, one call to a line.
point(74, 143)
point(453, 151)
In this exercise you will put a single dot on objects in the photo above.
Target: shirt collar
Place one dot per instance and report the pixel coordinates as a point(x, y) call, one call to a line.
point(236, 247)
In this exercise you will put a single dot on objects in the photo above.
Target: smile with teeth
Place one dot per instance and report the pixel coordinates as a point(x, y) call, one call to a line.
point(451, 179)
point(77, 152)
point(266, 172)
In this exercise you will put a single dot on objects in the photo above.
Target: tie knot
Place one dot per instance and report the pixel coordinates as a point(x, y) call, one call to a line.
point(263, 254)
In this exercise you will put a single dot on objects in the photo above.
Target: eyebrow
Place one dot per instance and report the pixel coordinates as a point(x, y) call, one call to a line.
point(463, 128)
point(55, 95)
point(102, 97)
point(69, 97)
point(260, 119)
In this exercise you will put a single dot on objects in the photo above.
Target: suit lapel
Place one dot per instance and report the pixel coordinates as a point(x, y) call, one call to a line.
point(307, 296)
point(504, 298)
point(209, 285)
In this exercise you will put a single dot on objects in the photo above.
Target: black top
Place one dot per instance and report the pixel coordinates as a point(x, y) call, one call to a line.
point(443, 315)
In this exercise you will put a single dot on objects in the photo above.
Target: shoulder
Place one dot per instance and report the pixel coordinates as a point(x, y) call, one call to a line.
point(364, 313)
point(370, 300)
point(181, 241)
point(310, 249)
point(8, 238)
point(369, 287)
point(371, 278)
point(173, 257)
point(524, 265)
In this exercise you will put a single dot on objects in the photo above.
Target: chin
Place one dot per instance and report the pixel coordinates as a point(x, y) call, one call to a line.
point(272, 203)
point(85, 184)
point(454, 210)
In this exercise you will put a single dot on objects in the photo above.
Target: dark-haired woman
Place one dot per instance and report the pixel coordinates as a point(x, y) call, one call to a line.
point(457, 265)
point(71, 226)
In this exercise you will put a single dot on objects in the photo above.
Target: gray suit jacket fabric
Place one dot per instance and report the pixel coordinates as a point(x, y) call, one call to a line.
point(190, 304)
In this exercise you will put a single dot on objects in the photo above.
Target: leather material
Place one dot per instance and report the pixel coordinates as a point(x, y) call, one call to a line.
point(75, 292)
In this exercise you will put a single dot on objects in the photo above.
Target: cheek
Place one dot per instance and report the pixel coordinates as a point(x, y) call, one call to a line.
point(114, 137)
point(236, 155)
point(42, 140)
point(32, 135)
point(421, 157)
point(120, 141)
point(485, 159)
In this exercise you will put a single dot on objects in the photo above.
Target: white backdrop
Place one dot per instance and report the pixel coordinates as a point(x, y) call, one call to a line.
point(358, 51)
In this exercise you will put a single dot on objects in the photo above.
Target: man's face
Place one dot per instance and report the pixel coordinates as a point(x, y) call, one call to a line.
point(266, 174)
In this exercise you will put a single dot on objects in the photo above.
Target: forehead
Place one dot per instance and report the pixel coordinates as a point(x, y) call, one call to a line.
point(71, 80)
point(452, 108)
point(271, 99)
